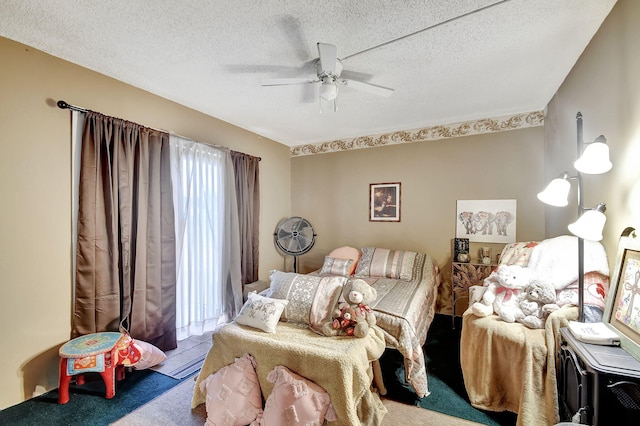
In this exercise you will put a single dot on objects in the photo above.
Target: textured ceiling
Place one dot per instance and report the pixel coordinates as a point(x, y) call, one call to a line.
point(212, 56)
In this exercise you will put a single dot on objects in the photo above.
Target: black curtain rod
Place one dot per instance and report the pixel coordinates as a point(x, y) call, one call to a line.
point(63, 105)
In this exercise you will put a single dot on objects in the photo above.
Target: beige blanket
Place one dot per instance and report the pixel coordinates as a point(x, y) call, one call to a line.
point(341, 365)
point(509, 367)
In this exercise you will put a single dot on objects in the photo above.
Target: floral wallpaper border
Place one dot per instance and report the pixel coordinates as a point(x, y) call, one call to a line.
point(465, 128)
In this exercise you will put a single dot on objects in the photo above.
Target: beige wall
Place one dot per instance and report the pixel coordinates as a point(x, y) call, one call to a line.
point(332, 191)
point(35, 181)
point(604, 86)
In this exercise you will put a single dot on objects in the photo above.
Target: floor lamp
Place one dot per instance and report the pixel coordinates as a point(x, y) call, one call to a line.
point(593, 158)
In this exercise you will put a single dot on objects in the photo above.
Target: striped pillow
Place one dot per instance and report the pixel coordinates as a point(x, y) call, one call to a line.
point(332, 266)
point(378, 262)
point(312, 298)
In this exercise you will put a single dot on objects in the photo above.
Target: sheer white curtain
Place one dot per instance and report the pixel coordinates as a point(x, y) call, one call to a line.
point(209, 286)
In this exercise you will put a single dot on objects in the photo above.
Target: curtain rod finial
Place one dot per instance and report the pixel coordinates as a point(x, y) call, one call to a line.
point(62, 104)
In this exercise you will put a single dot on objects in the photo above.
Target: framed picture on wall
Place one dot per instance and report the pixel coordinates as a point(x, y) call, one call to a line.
point(487, 221)
point(384, 202)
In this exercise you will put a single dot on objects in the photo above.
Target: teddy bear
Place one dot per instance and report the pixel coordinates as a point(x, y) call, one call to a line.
point(353, 317)
point(503, 287)
point(345, 322)
point(537, 302)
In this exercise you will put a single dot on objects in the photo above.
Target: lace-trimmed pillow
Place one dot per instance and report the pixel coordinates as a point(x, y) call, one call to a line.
point(261, 312)
point(379, 262)
point(311, 298)
point(296, 401)
point(233, 393)
point(333, 266)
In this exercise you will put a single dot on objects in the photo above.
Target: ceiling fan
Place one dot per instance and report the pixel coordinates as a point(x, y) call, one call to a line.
point(329, 66)
point(328, 71)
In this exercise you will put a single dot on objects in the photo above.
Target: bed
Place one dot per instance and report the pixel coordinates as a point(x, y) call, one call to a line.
point(407, 285)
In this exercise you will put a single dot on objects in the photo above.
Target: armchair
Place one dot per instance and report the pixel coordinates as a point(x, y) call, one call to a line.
point(509, 367)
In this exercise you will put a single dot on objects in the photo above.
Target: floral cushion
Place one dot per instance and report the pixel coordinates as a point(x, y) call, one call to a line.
point(517, 253)
point(311, 298)
point(233, 394)
point(333, 266)
point(261, 312)
point(295, 401)
point(379, 262)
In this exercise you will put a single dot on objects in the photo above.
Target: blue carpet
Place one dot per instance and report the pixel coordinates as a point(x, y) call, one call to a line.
point(87, 405)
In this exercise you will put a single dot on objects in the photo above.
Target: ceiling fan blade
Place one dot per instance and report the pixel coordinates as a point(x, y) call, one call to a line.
point(288, 81)
point(366, 87)
point(328, 57)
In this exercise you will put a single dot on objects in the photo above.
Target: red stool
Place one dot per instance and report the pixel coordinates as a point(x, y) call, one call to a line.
point(107, 353)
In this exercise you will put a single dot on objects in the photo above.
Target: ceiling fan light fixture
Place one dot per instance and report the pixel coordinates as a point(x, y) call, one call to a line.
point(328, 91)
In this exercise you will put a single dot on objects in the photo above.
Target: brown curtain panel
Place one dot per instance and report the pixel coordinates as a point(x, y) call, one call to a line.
point(247, 174)
point(126, 262)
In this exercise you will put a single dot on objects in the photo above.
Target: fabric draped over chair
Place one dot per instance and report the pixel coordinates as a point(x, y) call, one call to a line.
point(125, 257)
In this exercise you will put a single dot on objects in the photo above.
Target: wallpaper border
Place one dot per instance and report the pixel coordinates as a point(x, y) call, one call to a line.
point(465, 128)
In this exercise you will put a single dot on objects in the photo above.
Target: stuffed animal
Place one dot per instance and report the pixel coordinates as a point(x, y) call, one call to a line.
point(503, 287)
point(353, 317)
point(344, 323)
point(537, 302)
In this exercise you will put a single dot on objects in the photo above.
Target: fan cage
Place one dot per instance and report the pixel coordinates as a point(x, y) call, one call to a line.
point(294, 236)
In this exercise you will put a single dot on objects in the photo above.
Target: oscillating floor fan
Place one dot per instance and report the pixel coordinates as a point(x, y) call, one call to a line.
point(294, 236)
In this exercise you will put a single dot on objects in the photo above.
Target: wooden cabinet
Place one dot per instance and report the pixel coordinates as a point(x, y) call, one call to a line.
point(463, 276)
point(597, 385)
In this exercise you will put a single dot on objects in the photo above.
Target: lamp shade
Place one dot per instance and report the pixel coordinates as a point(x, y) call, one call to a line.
point(556, 193)
point(328, 91)
point(589, 226)
point(595, 158)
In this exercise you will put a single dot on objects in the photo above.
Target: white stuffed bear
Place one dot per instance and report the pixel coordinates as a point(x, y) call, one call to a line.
point(501, 296)
point(537, 301)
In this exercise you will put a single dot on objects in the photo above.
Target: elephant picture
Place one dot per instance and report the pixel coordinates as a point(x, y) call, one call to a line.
point(486, 220)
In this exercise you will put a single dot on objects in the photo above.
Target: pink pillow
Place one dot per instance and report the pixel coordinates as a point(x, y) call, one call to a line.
point(150, 356)
point(233, 394)
point(295, 401)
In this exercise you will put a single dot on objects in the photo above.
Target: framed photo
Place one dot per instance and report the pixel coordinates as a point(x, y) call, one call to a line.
point(486, 221)
point(384, 202)
point(622, 311)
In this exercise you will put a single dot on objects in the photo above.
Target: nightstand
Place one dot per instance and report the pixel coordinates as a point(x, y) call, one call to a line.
point(598, 385)
point(465, 275)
